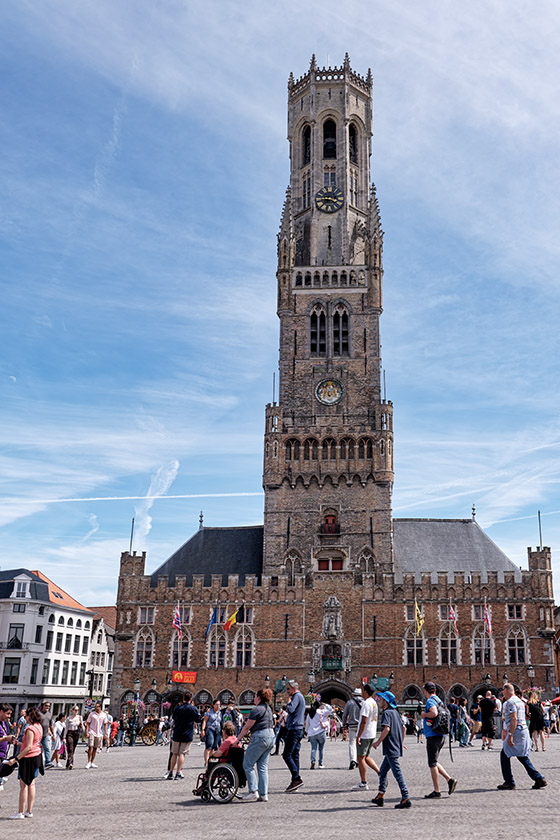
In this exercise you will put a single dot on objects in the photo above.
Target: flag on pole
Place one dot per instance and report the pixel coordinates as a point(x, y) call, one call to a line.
point(213, 620)
point(419, 618)
point(177, 622)
point(453, 618)
point(487, 619)
point(236, 618)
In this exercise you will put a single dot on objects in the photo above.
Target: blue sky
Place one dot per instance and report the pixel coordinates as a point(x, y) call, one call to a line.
point(144, 167)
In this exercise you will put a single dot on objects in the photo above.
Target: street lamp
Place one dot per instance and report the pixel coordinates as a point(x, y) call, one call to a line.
point(311, 678)
point(267, 681)
point(531, 673)
point(391, 679)
point(134, 723)
point(505, 678)
point(488, 679)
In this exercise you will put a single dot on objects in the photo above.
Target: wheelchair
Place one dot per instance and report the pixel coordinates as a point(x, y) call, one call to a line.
point(222, 778)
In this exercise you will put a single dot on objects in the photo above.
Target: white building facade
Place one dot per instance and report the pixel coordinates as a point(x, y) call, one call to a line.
point(45, 640)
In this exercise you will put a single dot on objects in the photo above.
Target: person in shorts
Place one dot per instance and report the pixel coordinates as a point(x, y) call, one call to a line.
point(366, 734)
point(434, 743)
point(212, 729)
point(96, 731)
point(30, 762)
point(185, 715)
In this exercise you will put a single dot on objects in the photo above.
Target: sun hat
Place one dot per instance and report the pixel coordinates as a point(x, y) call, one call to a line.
point(389, 698)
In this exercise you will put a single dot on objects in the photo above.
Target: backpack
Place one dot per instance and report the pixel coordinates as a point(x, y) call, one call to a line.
point(440, 724)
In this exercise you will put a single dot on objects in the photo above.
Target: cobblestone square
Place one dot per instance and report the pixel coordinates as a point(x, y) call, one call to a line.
point(127, 796)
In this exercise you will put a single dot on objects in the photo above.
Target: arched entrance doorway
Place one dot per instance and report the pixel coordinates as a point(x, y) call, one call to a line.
point(334, 692)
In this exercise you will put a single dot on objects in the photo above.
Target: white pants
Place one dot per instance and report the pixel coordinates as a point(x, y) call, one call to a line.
point(352, 735)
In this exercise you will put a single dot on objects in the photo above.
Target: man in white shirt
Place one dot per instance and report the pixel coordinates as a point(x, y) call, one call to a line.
point(366, 735)
point(96, 730)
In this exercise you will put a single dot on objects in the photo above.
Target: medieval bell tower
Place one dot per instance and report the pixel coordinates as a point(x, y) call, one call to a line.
point(328, 459)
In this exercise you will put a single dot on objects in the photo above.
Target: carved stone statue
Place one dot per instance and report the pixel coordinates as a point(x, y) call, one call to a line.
point(332, 619)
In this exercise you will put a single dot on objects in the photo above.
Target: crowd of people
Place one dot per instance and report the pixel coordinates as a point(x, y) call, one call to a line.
point(370, 721)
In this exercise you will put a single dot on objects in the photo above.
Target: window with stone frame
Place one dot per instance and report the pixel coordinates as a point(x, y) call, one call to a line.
point(414, 647)
point(318, 332)
point(330, 562)
point(478, 612)
point(244, 648)
point(144, 649)
point(448, 645)
point(353, 143)
point(340, 331)
point(516, 646)
point(146, 615)
point(217, 648)
point(329, 139)
point(180, 650)
point(515, 612)
point(306, 145)
point(482, 646)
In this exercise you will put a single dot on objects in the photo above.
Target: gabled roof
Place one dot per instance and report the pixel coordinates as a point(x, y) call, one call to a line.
point(216, 551)
point(58, 596)
point(446, 545)
point(108, 614)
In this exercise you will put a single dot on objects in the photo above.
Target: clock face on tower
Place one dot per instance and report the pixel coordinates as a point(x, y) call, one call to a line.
point(329, 199)
point(329, 392)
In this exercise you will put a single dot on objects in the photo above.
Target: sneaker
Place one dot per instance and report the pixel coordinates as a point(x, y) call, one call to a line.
point(91, 764)
point(294, 785)
point(353, 765)
point(321, 767)
point(88, 765)
point(483, 747)
point(28, 814)
point(17, 817)
point(505, 786)
point(263, 798)
point(312, 766)
point(378, 800)
point(539, 783)
point(168, 776)
point(179, 776)
point(70, 767)
point(451, 784)
point(435, 794)
point(252, 796)
point(404, 803)
point(362, 786)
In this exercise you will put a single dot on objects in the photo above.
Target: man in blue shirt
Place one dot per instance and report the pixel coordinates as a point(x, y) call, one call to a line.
point(434, 743)
point(294, 734)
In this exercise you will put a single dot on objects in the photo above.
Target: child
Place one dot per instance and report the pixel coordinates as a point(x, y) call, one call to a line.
point(392, 735)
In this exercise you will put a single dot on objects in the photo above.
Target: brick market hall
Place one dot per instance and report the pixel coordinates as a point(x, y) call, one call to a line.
point(331, 589)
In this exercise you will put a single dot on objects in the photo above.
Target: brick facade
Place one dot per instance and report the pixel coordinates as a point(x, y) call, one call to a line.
point(328, 597)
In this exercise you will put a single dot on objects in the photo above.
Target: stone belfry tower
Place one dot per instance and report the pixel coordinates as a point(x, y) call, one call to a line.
point(328, 460)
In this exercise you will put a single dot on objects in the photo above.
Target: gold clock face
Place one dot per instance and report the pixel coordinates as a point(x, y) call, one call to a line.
point(329, 199)
point(329, 392)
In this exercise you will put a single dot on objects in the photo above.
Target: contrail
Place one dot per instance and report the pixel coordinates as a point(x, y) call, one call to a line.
point(124, 498)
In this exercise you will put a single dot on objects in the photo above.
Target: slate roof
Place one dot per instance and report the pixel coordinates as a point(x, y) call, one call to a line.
point(41, 588)
point(446, 545)
point(216, 551)
point(420, 545)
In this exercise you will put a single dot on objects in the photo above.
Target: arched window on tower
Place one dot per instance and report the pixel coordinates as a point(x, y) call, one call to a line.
point(318, 332)
point(329, 139)
point(353, 143)
point(306, 145)
point(340, 331)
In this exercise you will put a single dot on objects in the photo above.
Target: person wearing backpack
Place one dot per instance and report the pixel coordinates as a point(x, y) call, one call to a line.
point(435, 738)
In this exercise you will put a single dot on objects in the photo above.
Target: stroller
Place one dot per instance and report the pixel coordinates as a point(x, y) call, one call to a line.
point(222, 778)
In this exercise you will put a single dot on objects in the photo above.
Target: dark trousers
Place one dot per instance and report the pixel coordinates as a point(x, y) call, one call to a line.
point(524, 759)
point(291, 751)
point(71, 740)
point(280, 737)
